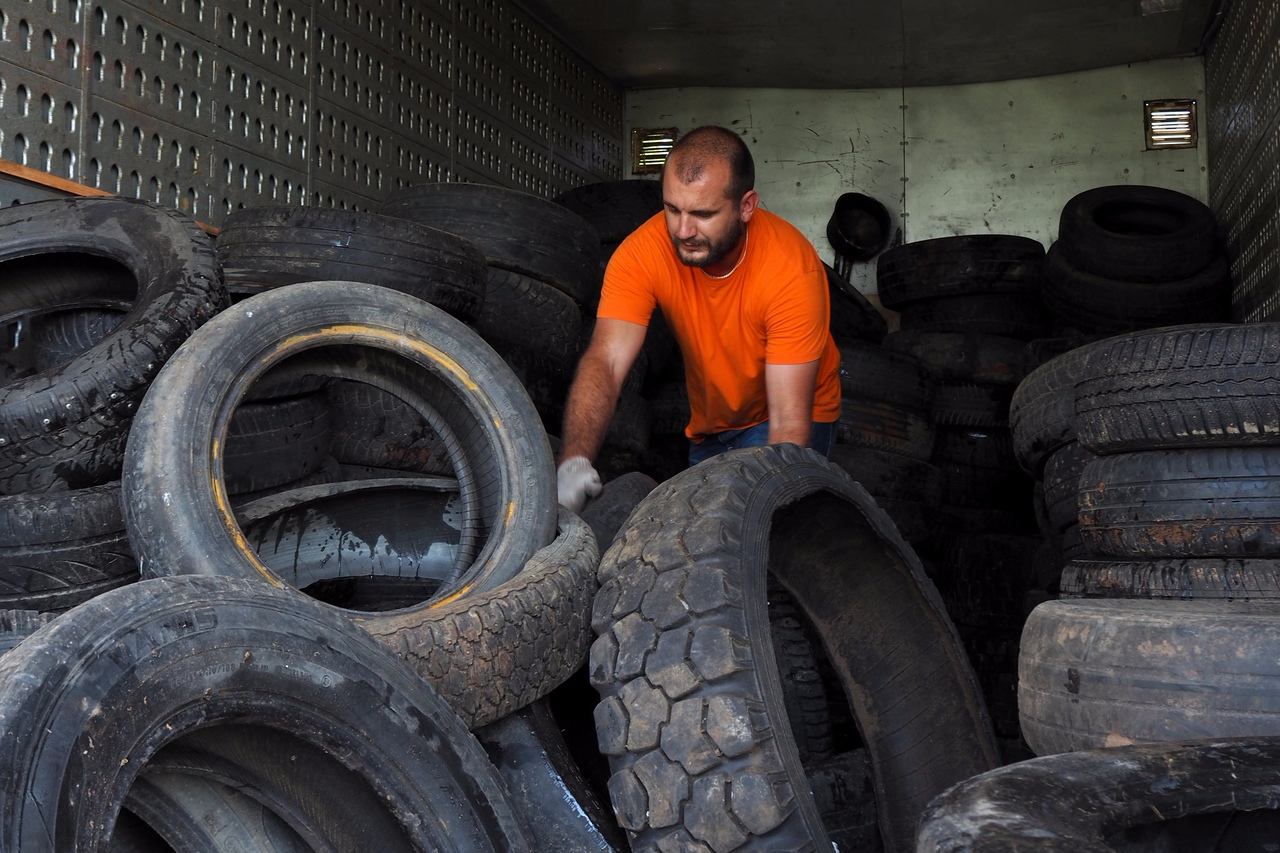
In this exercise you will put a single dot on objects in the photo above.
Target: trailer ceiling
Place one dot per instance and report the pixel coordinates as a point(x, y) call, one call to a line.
point(864, 44)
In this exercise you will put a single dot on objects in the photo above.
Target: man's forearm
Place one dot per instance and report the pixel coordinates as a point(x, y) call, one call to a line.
point(793, 431)
point(592, 400)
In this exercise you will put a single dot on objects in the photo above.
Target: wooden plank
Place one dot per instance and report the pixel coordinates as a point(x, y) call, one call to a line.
point(35, 176)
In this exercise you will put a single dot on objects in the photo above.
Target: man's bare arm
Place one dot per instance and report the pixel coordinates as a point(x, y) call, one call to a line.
point(790, 394)
point(594, 393)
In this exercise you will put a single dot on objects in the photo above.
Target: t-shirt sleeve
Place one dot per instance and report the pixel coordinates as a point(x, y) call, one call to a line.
point(798, 319)
point(627, 293)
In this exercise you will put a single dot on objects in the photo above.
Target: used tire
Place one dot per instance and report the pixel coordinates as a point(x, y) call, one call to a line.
point(1042, 412)
point(65, 428)
point(516, 231)
point(1092, 303)
point(198, 655)
point(1094, 801)
point(1200, 385)
point(1095, 672)
point(955, 266)
point(966, 356)
point(265, 247)
point(1137, 233)
point(1010, 315)
point(356, 331)
point(691, 712)
point(615, 208)
point(1189, 579)
point(1201, 502)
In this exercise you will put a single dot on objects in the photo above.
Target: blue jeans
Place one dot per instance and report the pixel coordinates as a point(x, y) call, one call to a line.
point(822, 437)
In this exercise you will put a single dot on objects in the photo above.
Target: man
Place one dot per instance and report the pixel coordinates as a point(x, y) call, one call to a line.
point(746, 297)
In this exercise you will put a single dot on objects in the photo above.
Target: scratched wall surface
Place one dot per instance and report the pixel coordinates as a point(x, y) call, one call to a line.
point(988, 158)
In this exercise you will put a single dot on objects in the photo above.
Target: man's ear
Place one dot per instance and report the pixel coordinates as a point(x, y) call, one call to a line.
point(748, 205)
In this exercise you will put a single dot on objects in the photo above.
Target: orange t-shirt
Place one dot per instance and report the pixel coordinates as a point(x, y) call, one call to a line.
point(775, 308)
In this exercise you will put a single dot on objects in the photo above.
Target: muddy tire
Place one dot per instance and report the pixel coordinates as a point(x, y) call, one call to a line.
point(1042, 413)
point(491, 653)
point(871, 372)
point(1100, 799)
point(1203, 502)
point(885, 426)
point(691, 712)
point(65, 428)
point(1189, 579)
point(142, 667)
point(1096, 673)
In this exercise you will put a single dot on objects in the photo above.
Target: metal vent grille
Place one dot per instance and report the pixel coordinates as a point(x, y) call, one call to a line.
point(209, 106)
point(1242, 71)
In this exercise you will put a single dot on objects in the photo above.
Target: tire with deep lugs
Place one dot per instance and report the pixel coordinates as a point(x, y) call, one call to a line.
point(691, 714)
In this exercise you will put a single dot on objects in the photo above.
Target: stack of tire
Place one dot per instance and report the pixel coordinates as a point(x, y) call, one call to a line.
point(1134, 257)
point(1176, 598)
point(128, 377)
point(969, 306)
point(98, 294)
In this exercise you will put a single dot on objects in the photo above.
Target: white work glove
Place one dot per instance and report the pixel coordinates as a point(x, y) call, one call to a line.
point(576, 480)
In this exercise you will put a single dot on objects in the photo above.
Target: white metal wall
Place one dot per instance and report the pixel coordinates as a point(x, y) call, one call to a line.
point(209, 105)
point(975, 159)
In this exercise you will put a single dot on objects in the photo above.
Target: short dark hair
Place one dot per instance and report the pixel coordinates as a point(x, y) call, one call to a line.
point(704, 145)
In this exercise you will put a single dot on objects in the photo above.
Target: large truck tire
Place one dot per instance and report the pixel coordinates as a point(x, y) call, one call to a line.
point(691, 712)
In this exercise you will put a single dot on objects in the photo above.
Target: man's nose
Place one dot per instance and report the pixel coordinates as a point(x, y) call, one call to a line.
point(685, 229)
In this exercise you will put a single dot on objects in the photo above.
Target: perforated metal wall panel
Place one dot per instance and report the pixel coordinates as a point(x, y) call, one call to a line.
point(1242, 71)
point(210, 105)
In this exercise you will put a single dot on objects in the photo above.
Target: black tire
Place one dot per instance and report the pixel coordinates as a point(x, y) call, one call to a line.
point(1091, 303)
point(804, 695)
point(199, 816)
point(525, 312)
point(968, 404)
point(891, 475)
point(1110, 672)
point(607, 512)
point(853, 317)
point(872, 373)
point(58, 549)
point(65, 428)
point(1042, 412)
point(1138, 233)
point(1201, 502)
point(966, 356)
point(17, 625)
point(375, 428)
point(1010, 315)
point(629, 430)
point(1062, 472)
point(208, 653)
point(65, 334)
point(274, 442)
point(962, 265)
point(265, 247)
point(132, 835)
point(533, 758)
point(1201, 385)
point(885, 426)
point(683, 637)
point(405, 530)
point(615, 208)
point(492, 653)
point(1190, 579)
point(179, 518)
point(1097, 800)
point(515, 230)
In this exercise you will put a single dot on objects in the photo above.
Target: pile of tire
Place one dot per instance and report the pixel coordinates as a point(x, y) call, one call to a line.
point(1176, 587)
point(969, 310)
point(343, 439)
